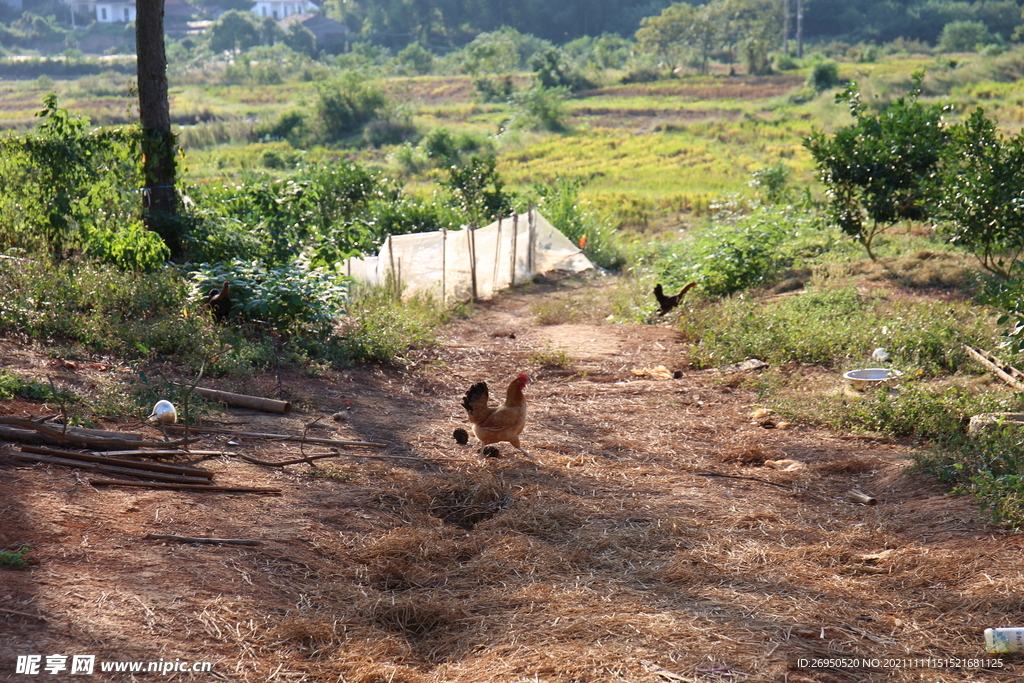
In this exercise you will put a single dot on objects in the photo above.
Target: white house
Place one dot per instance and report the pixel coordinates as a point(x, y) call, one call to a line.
point(115, 11)
point(279, 9)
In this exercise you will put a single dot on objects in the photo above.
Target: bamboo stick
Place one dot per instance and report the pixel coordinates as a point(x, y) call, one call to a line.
point(107, 460)
point(46, 433)
point(515, 239)
point(201, 539)
point(472, 259)
point(280, 437)
point(268, 405)
point(862, 498)
point(1007, 373)
point(183, 487)
point(112, 469)
point(444, 266)
point(320, 456)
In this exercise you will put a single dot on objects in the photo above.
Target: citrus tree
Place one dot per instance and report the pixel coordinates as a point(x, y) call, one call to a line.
point(878, 170)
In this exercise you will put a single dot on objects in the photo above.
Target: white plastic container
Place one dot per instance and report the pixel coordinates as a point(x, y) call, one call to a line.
point(164, 412)
point(1004, 640)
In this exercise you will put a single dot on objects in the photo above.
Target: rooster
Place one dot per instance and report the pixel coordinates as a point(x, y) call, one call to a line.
point(220, 302)
point(667, 303)
point(492, 424)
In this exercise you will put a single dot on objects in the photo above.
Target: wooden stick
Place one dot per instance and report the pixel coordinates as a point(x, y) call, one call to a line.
point(188, 470)
point(201, 539)
point(472, 259)
point(862, 498)
point(321, 456)
point(112, 469)
point(58, 435)
point(22, 614)
point(1007, 373)
point(280, 437)
point(183, 487)
point(268, 405)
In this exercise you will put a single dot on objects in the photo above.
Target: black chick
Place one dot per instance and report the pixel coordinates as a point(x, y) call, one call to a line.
point(667, 303)
point(220, 302)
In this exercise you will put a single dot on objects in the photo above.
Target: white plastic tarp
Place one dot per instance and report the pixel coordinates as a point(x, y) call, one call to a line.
point(507, 252)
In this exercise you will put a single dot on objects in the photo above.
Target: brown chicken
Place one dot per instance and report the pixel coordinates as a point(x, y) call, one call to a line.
point(492, 424)
point(667, 303)
point(220, 302)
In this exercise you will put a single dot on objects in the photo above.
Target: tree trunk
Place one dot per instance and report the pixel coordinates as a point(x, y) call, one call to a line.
point(160, 202)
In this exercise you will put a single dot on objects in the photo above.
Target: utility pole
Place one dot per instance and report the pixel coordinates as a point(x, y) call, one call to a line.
point(799, 29)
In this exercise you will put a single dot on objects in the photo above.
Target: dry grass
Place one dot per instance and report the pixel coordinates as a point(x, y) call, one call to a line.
point(615, 557)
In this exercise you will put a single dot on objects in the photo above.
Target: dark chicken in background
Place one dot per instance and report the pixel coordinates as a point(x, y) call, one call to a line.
point(667, 303)
point(220, 302)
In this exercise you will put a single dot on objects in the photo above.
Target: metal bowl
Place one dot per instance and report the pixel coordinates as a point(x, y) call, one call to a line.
point(869, 377)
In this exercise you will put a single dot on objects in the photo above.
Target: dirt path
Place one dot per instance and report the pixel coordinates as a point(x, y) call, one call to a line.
point(652, 539)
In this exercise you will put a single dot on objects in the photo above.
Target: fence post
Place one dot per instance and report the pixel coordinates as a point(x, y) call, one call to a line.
point(472, 259)
point(497, 260)
point(515, 239)
point(444, 265)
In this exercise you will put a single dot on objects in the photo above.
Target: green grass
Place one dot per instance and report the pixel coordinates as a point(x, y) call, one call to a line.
point(13, 558)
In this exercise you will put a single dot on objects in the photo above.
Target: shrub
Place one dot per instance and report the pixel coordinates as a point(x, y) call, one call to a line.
point(65, 191)
point(539, 108)
point(292, 297)
point(344, 105)
point(823, 75)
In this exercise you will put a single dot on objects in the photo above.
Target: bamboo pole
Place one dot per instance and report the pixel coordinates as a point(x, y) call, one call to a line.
point(497, 260)
point(280, 437)
point(444, 265)
point(515, 239)
point(472, 260)
point(137, 464)
point(57, 435)
point(111, 469)
point(531, 242)
point(267, 405)
point(203, 539)
point(183, 487)
point(1007, 373)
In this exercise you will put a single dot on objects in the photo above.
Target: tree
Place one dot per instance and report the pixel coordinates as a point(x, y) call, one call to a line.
point(236, 31)
point(300, 39)
point(963, 36)
point(753, 28)
point(681, 33)
point(345, 104)
point(982, 193)
point(880, 167)
point(160, 208)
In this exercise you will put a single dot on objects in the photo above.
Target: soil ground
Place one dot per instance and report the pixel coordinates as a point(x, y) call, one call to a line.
point(666, 531)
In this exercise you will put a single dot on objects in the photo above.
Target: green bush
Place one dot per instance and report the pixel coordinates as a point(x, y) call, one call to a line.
point(13, 558)
point(823, 75)
point(292, 297)
point(345, 104)
point(538, 108)
point(69, 189)
point(741, 252)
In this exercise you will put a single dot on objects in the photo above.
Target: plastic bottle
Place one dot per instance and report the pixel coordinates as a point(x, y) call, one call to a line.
point(1004, 639)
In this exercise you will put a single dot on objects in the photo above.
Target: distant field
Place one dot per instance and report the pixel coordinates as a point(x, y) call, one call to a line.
point(664, 147)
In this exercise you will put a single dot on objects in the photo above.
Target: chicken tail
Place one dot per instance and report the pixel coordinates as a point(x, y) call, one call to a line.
point(475, 398)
